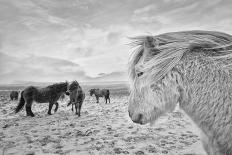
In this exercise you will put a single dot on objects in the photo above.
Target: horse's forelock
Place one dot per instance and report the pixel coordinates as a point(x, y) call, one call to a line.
point(134, 59)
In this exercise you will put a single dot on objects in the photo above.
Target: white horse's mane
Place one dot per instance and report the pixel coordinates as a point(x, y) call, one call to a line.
point(164, 51)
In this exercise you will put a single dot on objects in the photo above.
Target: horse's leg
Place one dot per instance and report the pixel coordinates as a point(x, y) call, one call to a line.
point(50, 108)
point(80, 104)
point(28, 107)
point(57, 105)
point(106, 99)
point(97, 99)
point(72, 106)
point(76, 108)
point(109, 99)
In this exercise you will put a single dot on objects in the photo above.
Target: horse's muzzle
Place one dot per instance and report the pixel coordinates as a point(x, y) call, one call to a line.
point(137, 118)
point(67, 93)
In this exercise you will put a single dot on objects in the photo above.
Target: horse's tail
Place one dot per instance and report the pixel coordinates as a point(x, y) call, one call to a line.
point(21, 103)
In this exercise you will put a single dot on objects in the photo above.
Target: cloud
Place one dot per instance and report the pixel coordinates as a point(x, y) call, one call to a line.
point(80, 39)
point(145, 10)
point(103, 77)
point(46, 69)
point(101, 74)
point(114, 37)
point(82, 52)
point(39, 69)
point(177, 15)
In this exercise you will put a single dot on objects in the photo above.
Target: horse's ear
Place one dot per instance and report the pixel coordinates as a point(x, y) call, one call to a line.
point(150, 42)
point(150, 47)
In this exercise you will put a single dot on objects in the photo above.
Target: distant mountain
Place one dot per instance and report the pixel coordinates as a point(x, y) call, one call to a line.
point(29, 83)
point(114, 76)
point(111, 78)
point(32, 70)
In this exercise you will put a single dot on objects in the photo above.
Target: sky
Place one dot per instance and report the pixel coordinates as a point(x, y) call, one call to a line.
point(87, 40)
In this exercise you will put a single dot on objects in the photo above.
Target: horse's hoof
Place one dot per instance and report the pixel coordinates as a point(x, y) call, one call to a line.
point(32, 115)
point(49, 114)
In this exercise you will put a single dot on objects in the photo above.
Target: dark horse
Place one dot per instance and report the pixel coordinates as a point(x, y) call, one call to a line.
point(100, 93)
point(76, 95)
point(14, 95)
point(48, 94)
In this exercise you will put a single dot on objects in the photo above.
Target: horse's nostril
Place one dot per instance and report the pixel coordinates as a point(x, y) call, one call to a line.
point(138, 119)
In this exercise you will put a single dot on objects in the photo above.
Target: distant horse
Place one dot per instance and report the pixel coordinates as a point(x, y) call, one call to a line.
point(193, 68)
point(100, 93)
point(48, 94)
point(77, 96)
point(14, 95)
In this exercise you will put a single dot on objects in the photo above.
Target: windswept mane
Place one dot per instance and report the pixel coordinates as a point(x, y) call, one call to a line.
point(162, 52)
point(57, 85)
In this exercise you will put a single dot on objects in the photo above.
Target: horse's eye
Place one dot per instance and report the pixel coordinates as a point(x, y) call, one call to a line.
point(140, 74)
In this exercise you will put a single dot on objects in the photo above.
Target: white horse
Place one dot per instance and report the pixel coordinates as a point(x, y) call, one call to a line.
point(193, 68)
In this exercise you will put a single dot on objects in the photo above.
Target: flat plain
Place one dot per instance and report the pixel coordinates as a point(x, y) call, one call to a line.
point(101, 129)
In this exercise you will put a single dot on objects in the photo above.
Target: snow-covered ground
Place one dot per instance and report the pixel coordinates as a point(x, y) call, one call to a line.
point(101, 129)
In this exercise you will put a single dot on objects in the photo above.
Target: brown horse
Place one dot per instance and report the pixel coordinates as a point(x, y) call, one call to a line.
point(193, 68)
point(48, 94)
point(14, 95)
point(76, 95)
point(100, 93)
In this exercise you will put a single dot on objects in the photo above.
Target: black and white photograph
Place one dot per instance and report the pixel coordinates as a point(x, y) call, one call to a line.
point(115, 77)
